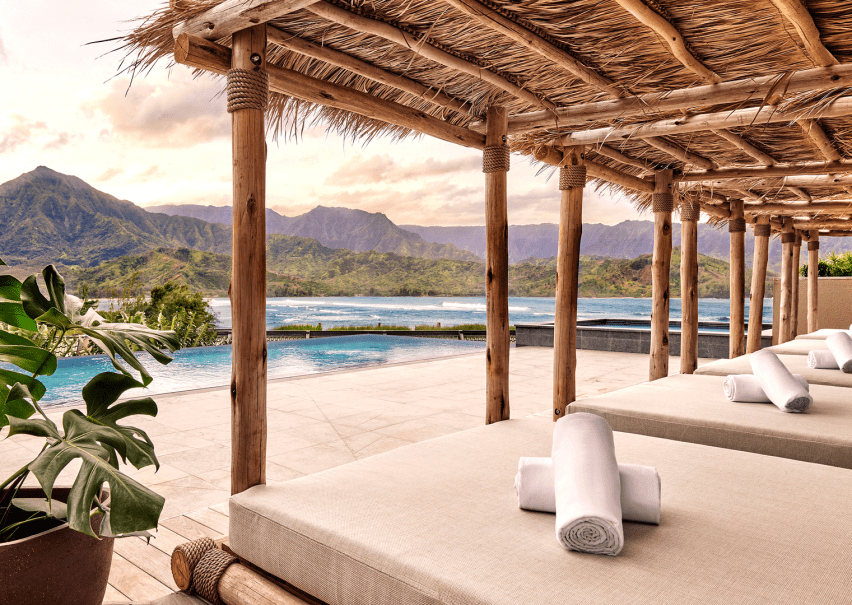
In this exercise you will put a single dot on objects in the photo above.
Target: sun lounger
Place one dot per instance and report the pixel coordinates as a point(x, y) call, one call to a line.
point(797, 364)
point(821, 334)
point(438, 522)
point(799, 346)
point(695, 409)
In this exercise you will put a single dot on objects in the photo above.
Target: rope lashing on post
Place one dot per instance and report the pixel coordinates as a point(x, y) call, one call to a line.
point(690, 212)
point(788, 238)
point(762, 230)
point(662, 201)
point(812, 245)
point(247, 89)
point(736, 225)
point(495, 158)
point(186, 557)
point(206, 575)
point(572, 176)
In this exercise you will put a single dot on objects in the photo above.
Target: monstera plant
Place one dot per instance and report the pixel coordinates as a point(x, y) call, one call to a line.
point(98, 436)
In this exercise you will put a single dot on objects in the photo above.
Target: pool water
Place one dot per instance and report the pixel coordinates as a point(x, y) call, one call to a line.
point(203, 367)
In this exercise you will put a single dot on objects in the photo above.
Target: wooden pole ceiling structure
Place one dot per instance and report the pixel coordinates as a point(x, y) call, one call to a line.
point(746, 119)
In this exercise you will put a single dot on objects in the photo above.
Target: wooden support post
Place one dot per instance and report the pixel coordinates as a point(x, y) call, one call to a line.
point(736, 227)
point(758, 284)
point(813, 281)
point(786, 303)
point(572, 180)
point(496, 165)
point(663, 204)
point(689, 215)
point(794, 315)
point(248, 276)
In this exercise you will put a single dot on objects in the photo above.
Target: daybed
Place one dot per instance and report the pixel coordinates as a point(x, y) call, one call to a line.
point(799, 346)
point(821, 334)
point(797, 364)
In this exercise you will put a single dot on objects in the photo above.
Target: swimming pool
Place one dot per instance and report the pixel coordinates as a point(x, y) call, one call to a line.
point(203, 367)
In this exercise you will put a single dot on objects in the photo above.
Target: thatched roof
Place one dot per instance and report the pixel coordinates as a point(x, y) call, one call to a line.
point(723, 40)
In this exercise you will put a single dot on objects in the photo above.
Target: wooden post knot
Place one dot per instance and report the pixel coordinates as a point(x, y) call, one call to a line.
point(185, 558)
point(205, 577)
point(247, 89)
point(662, 201)
point(572, 176)
point(813, 245)
point(762, 230)
point(737, 225)
point(495, 158)
point(788, 238)
point(690, 212)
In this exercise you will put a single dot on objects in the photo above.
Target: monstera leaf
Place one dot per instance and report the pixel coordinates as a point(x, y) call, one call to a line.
point(68, 314)
point(11, 309)
point(13, 402)
point(99, 442)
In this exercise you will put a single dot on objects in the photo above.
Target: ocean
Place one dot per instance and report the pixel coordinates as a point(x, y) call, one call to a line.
point(336, 311)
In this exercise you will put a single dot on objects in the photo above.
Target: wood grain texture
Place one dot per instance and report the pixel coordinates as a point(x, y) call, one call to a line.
point(660, 282)
point(786, 303)
point(496, 278)
point(248, 279)
point(758, 289)
point(794, 315)
point(239, 585)
point(797, 14)
point(736, 339)
point(567, 274)
point(231, 16)
point(689, 297)
point(813, 285)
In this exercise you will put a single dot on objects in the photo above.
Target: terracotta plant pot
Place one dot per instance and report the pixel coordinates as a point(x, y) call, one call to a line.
point(58, 566)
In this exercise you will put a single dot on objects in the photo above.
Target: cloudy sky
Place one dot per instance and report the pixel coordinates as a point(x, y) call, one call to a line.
point(166, 138)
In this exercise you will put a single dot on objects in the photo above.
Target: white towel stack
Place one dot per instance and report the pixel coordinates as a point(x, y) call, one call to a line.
point(587, 485)
point(840, 345)
point(778, 383)
point(822, 360)
point(746, 388)
point(640, 489)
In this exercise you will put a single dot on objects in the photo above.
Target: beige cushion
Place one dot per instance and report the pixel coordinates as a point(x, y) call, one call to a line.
point(821, 334)
point(438, 522)
point(695, 409)
point(797, 364)
point(799, 347)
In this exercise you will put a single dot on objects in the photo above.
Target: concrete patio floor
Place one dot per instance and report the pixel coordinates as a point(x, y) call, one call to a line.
point(314, 423)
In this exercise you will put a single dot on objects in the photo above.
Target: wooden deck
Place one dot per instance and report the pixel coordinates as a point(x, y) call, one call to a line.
point(141, 572)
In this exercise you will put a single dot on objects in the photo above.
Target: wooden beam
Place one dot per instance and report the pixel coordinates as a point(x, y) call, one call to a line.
point(248, 277)
point(367, 70)
point(817, 223)
point(688, 288)
point(835, 233)
point(799, 17)
point(798, 208)
point(764, 172)
point(786, 304)
point(678, 152)
point(567, 275)
point(826, 180)
point(669, 36)
point(797, 257)
point(496, 278)
point(616, 155)
point(660, 282)
point(419, 47)
point(819, 137)
point(231, 16)
point(531, 41)
point(743, 145)
point(553, 156)
point(709, 121)
point(736, 339)
point(813, 281)
point(734, 91)
point(758, 285)
point(210, 56)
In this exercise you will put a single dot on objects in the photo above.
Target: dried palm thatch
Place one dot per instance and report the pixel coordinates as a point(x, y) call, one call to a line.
point(731, 38)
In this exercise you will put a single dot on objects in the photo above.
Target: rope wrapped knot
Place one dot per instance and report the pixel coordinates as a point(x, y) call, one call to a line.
point(788, 238)
point(206, 575)
point(690, 212)
point(763, 230)
point(184, 559)
point(812, 245)
point(572, 176)
point(662, 201)
point(247, 89)
point(736, 225)
point(495, 158)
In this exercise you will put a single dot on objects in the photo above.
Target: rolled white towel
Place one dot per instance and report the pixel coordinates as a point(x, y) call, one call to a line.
point(840, 345)
point(587, 485)
point(746, 388)
point(822, 360)
point(640, 489)
point(778, 383)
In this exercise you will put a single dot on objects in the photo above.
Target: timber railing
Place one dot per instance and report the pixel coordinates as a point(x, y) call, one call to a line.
point(272, 335)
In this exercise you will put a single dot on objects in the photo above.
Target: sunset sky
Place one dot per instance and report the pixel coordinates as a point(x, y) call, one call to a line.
point(166, 138)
